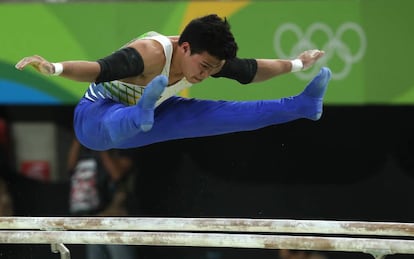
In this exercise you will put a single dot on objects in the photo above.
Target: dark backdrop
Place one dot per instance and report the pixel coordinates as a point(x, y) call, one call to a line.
point(353, 164)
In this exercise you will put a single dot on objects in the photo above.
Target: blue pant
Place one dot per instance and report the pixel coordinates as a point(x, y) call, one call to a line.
point(105, 124)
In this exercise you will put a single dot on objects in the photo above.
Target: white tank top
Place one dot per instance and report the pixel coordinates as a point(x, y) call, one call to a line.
point(129, 94)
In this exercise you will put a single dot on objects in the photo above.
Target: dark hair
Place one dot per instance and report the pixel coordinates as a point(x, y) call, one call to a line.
point(212, 34)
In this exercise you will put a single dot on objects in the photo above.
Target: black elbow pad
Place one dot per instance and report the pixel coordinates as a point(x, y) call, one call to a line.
point(242, 70)
point(123, 63)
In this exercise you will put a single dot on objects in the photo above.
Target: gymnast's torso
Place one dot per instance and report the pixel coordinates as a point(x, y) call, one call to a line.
point(129, 93)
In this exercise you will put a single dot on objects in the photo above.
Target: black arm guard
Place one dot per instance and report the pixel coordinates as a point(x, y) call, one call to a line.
point(122, 63)
point(242, 70)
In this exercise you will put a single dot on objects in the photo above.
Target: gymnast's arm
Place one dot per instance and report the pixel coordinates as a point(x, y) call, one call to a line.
point(83, 71)
point(269, 68)
point(248, 71)
point(123, 63)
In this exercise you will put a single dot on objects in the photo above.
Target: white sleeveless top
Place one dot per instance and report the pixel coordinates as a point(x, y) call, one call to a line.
point(129, 94)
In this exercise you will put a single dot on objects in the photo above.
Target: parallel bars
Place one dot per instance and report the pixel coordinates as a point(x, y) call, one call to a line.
point(376, 238)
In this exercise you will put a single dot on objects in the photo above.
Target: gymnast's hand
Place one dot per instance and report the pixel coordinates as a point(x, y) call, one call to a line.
point(309, 57)
point(39, 63)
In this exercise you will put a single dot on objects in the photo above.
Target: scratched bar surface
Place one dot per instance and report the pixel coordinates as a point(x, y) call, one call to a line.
point(366, 245)
point(210, 225)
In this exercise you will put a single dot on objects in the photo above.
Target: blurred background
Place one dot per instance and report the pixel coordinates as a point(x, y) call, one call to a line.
point(355, 163)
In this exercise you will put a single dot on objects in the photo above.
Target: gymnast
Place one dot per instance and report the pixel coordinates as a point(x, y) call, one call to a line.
point(132, 98)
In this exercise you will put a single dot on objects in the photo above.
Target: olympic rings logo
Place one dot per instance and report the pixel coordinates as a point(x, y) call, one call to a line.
point(335, 47)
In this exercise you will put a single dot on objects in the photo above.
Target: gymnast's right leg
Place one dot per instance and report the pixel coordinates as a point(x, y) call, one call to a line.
point(102, 124)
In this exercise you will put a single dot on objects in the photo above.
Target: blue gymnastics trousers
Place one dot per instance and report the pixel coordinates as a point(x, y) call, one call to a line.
point(106, 124)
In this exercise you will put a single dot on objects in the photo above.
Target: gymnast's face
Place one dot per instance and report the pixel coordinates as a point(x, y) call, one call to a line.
point(198, 66)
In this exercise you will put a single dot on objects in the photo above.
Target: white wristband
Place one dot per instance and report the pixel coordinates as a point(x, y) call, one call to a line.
point(297, 65)
point(58, 69)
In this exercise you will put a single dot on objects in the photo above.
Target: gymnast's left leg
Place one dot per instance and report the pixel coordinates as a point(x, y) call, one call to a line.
point(179, 118)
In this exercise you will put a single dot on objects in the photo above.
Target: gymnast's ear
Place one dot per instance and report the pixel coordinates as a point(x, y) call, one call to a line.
point(185, 46)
